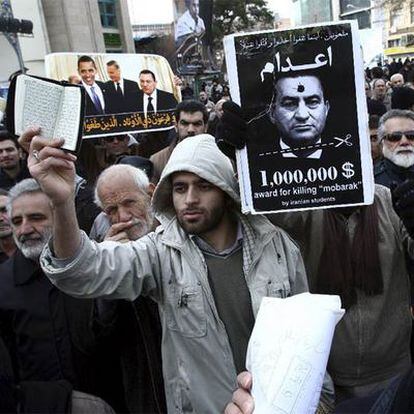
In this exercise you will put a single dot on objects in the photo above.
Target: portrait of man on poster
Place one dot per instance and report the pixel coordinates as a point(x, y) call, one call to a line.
point(293, 124)
point(299, 109)
point(189, 23)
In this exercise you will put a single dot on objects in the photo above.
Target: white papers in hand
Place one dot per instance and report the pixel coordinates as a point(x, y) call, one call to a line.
point(288, 351)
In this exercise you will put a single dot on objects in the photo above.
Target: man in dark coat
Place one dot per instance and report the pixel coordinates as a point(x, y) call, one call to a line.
point(95, 90)
point(12, 168)
point(50, 336)
point(121, 93)
point(150, 99)
point(396, 134)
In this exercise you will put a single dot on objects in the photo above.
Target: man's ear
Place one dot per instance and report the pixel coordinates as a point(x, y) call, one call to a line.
point(151, 188)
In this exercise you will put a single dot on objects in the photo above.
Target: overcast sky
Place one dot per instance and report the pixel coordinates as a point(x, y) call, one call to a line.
point(283, 7)
point(161, 11)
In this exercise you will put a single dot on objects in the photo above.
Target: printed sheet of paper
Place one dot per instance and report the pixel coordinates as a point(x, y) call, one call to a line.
point(302, 94)
point(37, 103)
point(288, 352)
point(56, 109)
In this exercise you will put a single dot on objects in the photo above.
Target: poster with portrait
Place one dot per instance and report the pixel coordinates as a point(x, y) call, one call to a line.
point(125, 93)
point(302, 92)
point(189, 21)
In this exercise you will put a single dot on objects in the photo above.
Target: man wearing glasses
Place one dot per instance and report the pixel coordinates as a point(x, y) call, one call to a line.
point(396, 134)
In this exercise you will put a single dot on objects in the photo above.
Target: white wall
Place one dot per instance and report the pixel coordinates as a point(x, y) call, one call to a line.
point(8, 59)
point(33, 48)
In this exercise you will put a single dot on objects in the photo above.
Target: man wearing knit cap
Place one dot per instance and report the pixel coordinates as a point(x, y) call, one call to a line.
point(402, 98)
point(207, 266)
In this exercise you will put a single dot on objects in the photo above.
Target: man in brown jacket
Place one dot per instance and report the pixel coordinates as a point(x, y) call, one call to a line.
point(191, 119)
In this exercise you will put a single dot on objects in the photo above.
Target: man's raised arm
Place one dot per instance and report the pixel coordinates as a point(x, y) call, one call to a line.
point(54, 170)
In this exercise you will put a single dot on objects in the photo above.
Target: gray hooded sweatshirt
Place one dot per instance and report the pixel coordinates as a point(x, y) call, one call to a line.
point(167, 265)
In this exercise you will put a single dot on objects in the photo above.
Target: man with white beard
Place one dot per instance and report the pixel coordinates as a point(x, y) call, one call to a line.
point(396, 134)
point(124, 192)
point(49, 335)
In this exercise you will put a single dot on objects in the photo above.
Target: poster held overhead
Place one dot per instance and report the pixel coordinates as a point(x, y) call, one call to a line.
point(125, 93)
point(302, 91)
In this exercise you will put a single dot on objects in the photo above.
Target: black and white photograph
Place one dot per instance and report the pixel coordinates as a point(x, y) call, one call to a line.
point(302, 94)
point(189, 22)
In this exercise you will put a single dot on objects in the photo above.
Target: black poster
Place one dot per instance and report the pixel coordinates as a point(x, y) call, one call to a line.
point(303, 95)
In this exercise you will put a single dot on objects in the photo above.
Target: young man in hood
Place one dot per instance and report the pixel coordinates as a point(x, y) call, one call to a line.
point(207, 266)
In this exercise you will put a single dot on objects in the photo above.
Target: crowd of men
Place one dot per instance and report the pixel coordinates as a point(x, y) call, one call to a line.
point(134, 288)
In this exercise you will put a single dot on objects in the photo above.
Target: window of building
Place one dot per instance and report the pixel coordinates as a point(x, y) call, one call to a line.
point(107, 9)
point(349, 6)
point(396, 17)
point(412, 12)
point(363, 18)
point(394, 43)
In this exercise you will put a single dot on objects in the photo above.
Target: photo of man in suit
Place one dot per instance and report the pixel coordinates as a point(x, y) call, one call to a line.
point(95, 90)
point(299, 111)
point(294, 123)
point(121, 93)
point(189, 23)
point(151, 99)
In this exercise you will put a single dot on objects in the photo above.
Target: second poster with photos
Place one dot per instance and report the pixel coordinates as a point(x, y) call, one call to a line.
point(125, 93)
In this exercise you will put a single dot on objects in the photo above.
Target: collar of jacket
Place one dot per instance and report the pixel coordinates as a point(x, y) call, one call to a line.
point(24, 269)
point(395, 169)
point(257, 231)
point(79, 183)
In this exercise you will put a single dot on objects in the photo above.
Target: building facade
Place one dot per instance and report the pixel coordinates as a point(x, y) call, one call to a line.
point(311, 11)
point(399, 42)
point(367, 13)
point(85, 26)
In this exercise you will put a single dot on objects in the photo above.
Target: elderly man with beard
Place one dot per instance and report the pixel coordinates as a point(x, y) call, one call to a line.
point(49, 335)
point(396, 134)
point(124, 194)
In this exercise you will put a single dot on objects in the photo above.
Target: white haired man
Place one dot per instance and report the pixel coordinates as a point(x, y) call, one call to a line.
point(123, 192)
point(396, 80)
point(396, 134)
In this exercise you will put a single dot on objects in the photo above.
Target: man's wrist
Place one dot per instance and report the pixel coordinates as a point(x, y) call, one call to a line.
point(66, 205)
